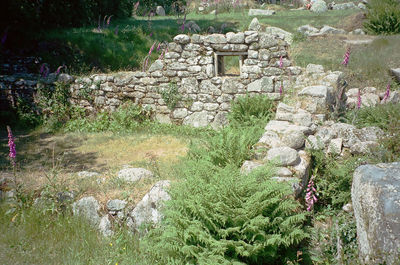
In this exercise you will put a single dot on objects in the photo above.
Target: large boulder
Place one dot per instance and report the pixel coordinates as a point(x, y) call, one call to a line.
point(319, 6)
point(280, 33)
point(148, 209)
point(375, 195)
point(88, 208)
point(396, 73)
point(134, 174)
point(255, 25)
point(160, 11)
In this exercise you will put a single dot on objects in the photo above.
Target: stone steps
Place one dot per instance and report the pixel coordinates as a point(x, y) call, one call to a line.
point(297, 118)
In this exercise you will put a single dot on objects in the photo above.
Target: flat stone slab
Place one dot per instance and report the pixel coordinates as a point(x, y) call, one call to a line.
point(359, 42)
point(261, 12)
point(283, 156)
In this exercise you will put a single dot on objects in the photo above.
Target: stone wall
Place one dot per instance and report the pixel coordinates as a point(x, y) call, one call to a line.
point(190, 64)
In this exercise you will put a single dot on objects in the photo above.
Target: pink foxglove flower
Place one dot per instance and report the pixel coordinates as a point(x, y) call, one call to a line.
point(109, 20)
point(44, 70)
point(159, 46)
point(346, 57)
point(136, 6)
point(281, 90)
point(11, 145)
point(152, 48)
point(281, 62)
point(311, 197)
point(358, 99)
point(116, 30)
point(387, 93)
point(59, 69)
point(146, 62)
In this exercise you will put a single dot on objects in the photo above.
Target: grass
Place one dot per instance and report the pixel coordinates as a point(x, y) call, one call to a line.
point(46, 239)
point(85, 50)
point(368, 64)
point(38, 153)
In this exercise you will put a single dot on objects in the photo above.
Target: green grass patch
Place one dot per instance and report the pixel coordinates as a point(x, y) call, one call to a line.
point(368, 65)
point(47, 239)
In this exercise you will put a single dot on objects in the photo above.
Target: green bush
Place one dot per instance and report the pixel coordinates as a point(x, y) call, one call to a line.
point(383, 17)
point(218, 216)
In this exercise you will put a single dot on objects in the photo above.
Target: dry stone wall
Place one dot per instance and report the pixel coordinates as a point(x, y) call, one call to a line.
point(191, 64)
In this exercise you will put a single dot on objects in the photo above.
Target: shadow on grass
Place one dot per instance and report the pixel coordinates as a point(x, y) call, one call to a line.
point(40, 151)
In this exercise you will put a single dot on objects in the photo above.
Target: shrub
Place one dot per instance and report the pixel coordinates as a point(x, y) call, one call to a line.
point(217, 216)
point(383, 17)
point(55, 107)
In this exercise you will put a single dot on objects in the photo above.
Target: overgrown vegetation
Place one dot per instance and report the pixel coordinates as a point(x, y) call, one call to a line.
point(386, 117)
point(217, 216)
point(383, 17)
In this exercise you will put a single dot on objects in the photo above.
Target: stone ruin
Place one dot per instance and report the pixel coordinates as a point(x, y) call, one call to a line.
point(195, 65)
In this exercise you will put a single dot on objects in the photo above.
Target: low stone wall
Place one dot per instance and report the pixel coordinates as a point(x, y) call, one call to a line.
point(188, 72)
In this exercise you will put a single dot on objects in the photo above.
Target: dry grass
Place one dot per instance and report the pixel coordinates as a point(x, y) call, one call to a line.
point(47, 159)
point(115, 151)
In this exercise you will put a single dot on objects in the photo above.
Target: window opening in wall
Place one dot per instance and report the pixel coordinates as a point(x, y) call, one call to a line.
point(229, 63)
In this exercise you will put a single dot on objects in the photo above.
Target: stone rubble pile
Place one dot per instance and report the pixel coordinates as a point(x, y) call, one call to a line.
point(146, 211)
point(311, 31)
point(301, 123)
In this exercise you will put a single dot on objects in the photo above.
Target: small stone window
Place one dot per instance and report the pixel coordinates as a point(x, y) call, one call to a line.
point(220, 62)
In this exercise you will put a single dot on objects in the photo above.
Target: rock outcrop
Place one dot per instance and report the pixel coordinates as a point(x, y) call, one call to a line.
point(376, 200)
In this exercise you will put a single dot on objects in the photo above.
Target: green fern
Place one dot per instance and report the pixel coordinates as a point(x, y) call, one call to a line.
point(217, 216)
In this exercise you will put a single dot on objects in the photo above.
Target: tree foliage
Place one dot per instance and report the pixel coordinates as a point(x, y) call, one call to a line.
point(60, 13)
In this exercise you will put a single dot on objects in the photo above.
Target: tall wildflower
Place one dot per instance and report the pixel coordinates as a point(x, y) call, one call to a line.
point(135, 8)
point(281, 62)
point(281, 90)
point(387, 93)
point(311, 197)
point(116, 30)
point(44, 70)
point(146, 62)
point(109, 20)
point(11, 145)
point(346, 57)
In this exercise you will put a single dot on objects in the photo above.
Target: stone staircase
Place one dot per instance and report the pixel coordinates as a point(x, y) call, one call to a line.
point(298, 116)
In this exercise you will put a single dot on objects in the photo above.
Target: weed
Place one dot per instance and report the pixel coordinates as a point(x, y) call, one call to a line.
point(170, 95)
